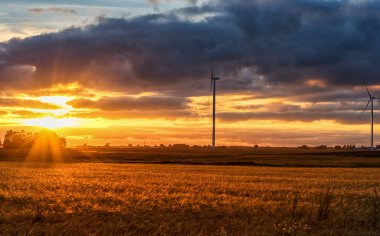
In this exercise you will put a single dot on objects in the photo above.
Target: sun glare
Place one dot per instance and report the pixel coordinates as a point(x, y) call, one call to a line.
point(60, 101)
point(51, 122)
point(56, 100)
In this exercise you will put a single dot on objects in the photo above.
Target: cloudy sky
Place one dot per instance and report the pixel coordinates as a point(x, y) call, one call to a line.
point(133, 71)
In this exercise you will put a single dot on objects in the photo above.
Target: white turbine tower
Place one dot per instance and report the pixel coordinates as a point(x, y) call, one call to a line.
point(213, 87)
point(371, 98)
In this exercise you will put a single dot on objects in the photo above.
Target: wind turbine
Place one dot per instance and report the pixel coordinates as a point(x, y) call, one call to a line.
point(371, 98)
point(213, 87)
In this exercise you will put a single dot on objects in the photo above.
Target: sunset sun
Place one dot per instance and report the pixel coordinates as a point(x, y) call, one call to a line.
point(51, 122)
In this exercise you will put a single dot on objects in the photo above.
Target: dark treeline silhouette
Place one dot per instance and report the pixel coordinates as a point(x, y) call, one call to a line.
point(351, 147)
point(22, 139)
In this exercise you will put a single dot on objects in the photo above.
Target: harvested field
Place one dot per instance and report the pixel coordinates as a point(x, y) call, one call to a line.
point(130, 199)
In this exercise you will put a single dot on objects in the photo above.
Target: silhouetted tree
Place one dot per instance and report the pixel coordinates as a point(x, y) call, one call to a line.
point(22, 139)
point(18, 139)
point(51, 138)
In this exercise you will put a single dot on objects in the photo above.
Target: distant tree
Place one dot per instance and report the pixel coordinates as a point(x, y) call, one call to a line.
point(9, 139)
point(107, 145)
point(349, 147)
point(180, 145)
point(304, 147)
point(22, 139)
point(18, 139)
point(50, 138)
point(321, 147)
point(338, 147)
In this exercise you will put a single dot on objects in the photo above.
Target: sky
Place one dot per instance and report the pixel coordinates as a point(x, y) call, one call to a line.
point(135, 72)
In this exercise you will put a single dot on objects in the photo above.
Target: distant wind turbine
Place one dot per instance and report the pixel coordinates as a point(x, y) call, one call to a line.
point(371, 98)
point(213, 88)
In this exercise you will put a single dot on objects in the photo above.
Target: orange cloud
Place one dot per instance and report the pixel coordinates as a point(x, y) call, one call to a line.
point(26, 103)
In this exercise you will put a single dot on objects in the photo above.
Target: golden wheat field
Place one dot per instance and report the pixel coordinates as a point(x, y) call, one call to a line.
point(147, 199)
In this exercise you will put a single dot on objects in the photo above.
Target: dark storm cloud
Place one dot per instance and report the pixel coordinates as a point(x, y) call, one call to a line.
point(131, 103)
point(152, 52)
point(285, 43)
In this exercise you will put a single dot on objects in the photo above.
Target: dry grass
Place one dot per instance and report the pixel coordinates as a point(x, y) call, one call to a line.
point(145, 199)
point(244, 156)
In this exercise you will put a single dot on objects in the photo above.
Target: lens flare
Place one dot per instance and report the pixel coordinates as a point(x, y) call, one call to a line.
point(47, 147)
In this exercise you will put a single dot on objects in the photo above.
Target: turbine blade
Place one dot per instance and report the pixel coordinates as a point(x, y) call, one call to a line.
point(365, 85)
point(211, 81)
point(365, 108)
point(212, 71)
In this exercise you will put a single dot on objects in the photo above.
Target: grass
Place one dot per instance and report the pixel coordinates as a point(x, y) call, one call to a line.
point(275, 157)
point(149, 199)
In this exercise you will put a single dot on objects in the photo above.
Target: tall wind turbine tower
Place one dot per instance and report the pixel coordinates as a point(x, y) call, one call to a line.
point(213, 87)
point(371, 98)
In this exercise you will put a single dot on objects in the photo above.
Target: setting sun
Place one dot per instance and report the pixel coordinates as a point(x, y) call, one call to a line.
point(51, 122)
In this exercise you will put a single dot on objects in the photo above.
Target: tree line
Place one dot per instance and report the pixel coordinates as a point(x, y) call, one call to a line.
point(22, 139)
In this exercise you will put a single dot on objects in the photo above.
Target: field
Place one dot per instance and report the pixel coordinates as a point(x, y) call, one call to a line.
point(149, 199)
point(274, 157)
